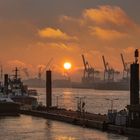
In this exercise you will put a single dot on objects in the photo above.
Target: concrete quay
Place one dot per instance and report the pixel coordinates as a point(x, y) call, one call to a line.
point(95, 121)
point(90, 120)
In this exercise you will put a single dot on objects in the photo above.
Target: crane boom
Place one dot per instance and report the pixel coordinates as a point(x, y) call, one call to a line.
point(89, 72)
point(25, 70)
point(84, 62)
point(48, 64)
point(41, 69)
point(124, 64)
point(104, 63)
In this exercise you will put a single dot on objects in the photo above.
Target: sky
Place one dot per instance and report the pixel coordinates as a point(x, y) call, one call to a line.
point(33, 32)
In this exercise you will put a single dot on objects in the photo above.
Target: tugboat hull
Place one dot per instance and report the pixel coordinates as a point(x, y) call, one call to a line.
point(9, 108)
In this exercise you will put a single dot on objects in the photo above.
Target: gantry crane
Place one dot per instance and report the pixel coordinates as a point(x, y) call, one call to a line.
point(25, 70)
point(89, 72)
point(126, 69)
point(41, 70)
point(109, 72)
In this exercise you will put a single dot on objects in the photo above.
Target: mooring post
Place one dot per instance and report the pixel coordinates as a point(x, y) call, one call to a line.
point(48, 89)
point(134, 81)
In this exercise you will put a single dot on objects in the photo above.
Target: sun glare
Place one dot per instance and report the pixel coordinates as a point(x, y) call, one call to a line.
point(67, 65)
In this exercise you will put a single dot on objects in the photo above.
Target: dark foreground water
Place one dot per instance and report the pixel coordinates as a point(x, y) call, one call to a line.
point(33, 128)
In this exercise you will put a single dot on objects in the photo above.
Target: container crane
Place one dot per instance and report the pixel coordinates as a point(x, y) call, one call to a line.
point(25, 70)
point(89, 72)
point(109, 72)
point(41, 70)
point(126, 69)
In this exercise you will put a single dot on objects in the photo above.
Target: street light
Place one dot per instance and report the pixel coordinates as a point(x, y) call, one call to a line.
point(57, 99)
point(112, 101)
point(81, 105)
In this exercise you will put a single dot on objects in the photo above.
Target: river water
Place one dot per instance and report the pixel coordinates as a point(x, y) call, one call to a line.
point(33, 128)
point(97, 101)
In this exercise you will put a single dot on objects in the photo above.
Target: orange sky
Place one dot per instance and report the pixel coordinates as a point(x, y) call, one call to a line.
point(99, 30)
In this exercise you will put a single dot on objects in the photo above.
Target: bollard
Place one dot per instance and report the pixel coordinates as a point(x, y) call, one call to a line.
point(48, 89)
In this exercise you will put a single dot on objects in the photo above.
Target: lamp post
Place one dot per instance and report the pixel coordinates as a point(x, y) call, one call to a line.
point(57, 100)
point(81, 105)
point(112, 101)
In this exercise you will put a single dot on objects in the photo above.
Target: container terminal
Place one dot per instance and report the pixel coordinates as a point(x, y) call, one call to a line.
point(91, 77)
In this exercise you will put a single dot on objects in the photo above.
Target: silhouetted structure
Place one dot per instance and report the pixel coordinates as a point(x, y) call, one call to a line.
point(126, 69)
point(6, 83)
point(134, 107)
point(48, 89)
point(134, 84)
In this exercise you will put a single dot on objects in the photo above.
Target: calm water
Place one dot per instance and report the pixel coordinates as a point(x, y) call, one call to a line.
point(95, 99)
point(33, 128)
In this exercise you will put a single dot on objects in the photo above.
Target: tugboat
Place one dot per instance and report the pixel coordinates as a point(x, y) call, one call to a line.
point(7, 106)
point(18, 92)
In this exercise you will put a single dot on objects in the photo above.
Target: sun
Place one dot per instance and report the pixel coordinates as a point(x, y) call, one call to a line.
point(67, 65)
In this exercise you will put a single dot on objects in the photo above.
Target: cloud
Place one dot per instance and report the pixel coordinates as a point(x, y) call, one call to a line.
point(107, 30)
point(52, 33)
point(16, 63)
point(104, 22)
point(25, 69)
point(107, 34)
point(129, 50)
point(108, 14)
point(65, 18)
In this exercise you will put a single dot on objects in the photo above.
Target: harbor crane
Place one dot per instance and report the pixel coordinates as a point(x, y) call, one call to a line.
point(109, 72)
point(41, 70)
point(25, 70)
point(126, 69)
point(89, 72)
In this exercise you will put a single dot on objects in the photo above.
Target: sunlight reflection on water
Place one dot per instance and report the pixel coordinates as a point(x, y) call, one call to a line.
point(95, 99)
point(33, 128)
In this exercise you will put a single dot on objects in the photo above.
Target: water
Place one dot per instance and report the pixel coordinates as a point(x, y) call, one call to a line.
point(95, 99)
point(33, 128)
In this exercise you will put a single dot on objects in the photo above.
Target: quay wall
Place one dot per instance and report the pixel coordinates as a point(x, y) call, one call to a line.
point(84, 122)
point(123, 130)
point(64, 118)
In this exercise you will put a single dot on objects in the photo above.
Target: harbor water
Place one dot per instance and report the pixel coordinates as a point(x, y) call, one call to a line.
point(96, 101)
point(35, 128)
